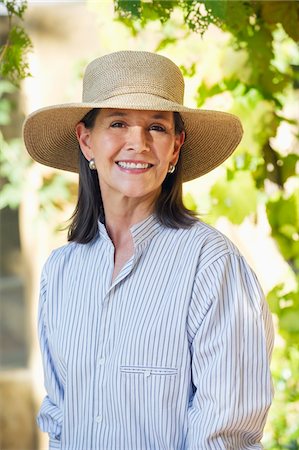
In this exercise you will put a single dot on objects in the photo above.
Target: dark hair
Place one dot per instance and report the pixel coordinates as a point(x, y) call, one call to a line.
point(169, 207)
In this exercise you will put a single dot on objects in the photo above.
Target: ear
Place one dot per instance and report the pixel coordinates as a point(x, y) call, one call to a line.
point(83, 136)
point(178, 143)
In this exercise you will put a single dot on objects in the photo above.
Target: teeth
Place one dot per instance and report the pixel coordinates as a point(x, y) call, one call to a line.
point(131, 165)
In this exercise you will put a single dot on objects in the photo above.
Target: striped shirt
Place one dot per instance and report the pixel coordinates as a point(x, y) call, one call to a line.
point(171, 355)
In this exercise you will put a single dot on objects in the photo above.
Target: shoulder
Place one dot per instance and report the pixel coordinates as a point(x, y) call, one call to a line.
point(223, 273)
point(224, 270)
point(62, 257)
point(205, 243)
point(213, 239)
point(59, 254)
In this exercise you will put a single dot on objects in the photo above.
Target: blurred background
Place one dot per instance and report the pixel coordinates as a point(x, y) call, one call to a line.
point(240, 57)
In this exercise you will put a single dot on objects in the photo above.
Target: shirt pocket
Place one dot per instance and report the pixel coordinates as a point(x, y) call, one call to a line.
point(149, 371)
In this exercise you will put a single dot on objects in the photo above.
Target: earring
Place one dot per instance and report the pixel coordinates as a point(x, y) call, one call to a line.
point(92, 164)
point(171, 168)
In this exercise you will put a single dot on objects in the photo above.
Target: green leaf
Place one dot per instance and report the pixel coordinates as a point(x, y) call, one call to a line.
point(164, 43)
point(273, 299)
point(289, 321)
point(189, 202)
point(283, 216)
point(145, 11)
point(15, 8)
point(233, 16)
point(284, 210)
point(217, 8)
point(288, 166)
point(236, 197)
point(288, 230)
point(128, 8)
point(204, 92)
point(14, 66)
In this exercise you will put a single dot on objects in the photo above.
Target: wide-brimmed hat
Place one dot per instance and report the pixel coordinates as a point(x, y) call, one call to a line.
point(140, 81)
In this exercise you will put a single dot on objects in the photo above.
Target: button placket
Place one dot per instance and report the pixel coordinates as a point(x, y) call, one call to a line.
point(100, 365)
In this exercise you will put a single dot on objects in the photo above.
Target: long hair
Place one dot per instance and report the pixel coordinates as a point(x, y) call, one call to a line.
point(169, 207)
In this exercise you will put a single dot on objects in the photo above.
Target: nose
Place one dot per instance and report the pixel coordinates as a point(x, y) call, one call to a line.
point(138, 139)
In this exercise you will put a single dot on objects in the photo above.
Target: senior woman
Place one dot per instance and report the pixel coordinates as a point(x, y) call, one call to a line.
point(154, 332)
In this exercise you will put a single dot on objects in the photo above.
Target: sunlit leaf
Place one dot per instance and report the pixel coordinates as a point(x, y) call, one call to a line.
point(288, 166)
point(189, 202)
point(283, 216)
point(235, 198)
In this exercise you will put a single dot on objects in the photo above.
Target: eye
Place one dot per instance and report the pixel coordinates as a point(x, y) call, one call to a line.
point(117, 125)
point(159, 128)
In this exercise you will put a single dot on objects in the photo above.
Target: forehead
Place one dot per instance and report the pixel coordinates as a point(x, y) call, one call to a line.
point(132, 113)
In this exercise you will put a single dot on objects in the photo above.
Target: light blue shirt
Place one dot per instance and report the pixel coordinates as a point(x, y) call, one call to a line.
point(172, 355)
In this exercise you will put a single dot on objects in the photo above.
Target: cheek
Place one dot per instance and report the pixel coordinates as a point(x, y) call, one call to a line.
point(167, 152)
point(105, 147)
point(162, 142)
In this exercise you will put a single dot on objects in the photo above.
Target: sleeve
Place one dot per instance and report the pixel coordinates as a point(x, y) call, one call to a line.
point(231, 343)
point(50, 415)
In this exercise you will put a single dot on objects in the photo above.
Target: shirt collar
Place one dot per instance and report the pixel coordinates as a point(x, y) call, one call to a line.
point(103, 232)
point(141, 232)
point(145, 230)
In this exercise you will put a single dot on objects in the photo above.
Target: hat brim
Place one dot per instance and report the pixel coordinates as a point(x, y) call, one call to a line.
point(212, 136)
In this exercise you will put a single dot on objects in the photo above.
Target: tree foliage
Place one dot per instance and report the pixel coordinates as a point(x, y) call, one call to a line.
point(55, 191)
point(13, 63)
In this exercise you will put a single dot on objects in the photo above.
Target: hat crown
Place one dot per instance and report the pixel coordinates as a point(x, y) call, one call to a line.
point(125, 72)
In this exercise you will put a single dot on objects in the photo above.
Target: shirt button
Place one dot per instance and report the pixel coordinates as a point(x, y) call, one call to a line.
point(99, 418)
point(101, 361)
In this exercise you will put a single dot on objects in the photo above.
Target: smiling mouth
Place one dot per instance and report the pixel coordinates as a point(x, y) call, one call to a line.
point(132, 165)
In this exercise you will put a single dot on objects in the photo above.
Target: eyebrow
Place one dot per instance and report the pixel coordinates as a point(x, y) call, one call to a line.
point(116, 113)
point(156, 116)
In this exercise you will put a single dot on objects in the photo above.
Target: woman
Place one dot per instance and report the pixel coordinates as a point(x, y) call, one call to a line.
point(154, 331)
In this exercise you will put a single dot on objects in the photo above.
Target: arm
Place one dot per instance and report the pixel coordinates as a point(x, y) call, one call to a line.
point(50, 415)
point(231, 346)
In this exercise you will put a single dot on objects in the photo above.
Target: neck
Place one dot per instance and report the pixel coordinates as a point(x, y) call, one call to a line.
point(122, 216)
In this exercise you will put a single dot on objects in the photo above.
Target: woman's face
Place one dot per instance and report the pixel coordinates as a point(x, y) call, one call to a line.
point(132, 151)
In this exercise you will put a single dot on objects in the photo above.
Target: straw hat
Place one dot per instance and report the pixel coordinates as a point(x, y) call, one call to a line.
point(132, 80)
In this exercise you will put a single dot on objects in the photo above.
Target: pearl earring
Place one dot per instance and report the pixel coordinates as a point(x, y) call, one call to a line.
point(92, 164)
point(171, 168)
